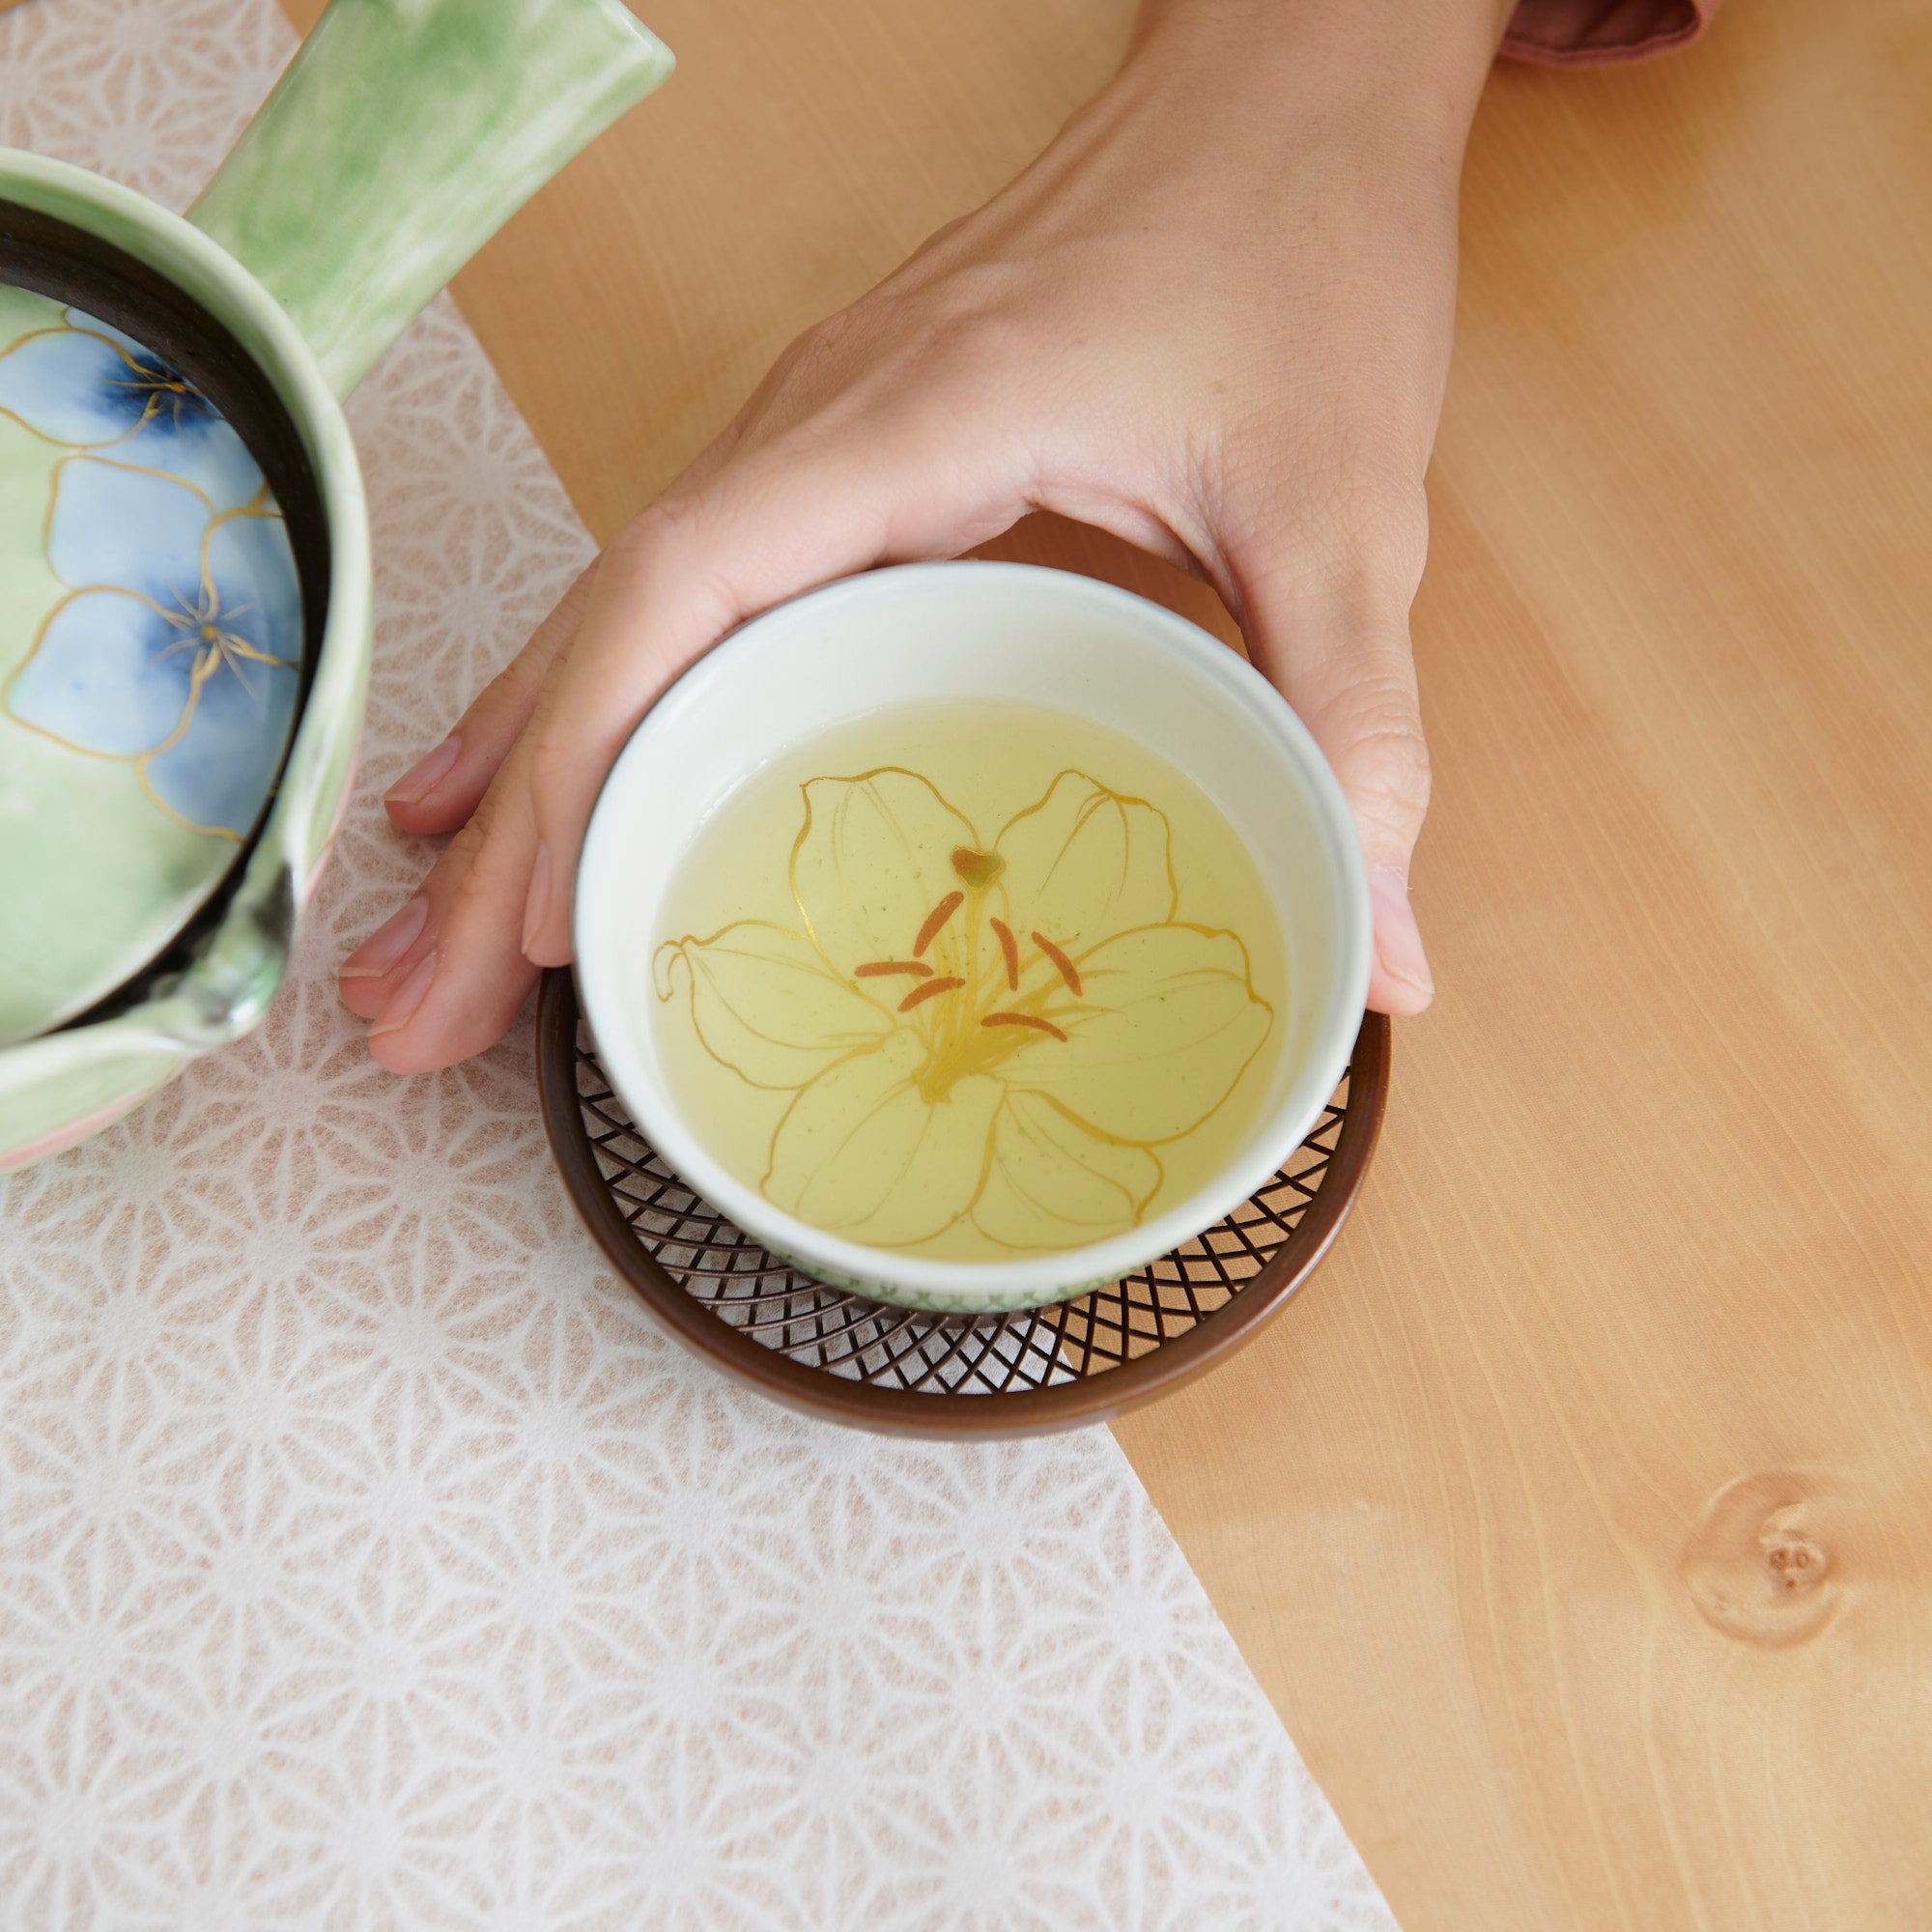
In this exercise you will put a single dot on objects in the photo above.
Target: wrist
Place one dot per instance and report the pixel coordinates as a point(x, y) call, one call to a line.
point(1407, 72)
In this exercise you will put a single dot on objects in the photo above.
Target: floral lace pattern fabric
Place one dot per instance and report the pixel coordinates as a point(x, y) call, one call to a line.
point(368, 1560)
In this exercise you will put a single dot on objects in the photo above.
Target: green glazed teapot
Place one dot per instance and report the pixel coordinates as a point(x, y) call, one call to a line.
point(184, 576)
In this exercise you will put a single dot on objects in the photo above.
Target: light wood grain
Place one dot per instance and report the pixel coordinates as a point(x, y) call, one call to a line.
point(1652, 1213)
point(1517, 1513)
point(800, 153)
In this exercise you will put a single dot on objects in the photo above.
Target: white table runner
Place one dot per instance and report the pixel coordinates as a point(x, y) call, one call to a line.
point(368, 1559)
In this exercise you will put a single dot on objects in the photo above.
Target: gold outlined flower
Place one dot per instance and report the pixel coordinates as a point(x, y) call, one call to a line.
point(1003, 1032)
point(85, 385)
point(173, 646)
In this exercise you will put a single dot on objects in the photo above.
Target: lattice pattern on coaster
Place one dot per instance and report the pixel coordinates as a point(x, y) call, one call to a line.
point(839, 1334)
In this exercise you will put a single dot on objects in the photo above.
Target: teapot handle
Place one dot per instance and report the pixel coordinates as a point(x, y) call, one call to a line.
point(400, 138)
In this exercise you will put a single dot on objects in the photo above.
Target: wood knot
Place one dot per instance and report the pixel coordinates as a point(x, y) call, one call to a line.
point(1793, 1560)
point(1757, 1566)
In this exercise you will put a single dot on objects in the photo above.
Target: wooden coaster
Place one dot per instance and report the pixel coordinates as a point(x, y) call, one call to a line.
point(905, 1372)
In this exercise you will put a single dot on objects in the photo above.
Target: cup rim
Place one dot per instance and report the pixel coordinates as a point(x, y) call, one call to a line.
point(1038, 1279)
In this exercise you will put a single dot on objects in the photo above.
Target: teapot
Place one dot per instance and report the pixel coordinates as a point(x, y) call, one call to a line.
point(185, 598)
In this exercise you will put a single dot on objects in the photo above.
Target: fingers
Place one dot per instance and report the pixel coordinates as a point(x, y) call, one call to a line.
point(444, 976)
point(789, 514)
point(446, 982)
point(1351, 675)
point(470, 977)
point(443, 789)
point(368, 978)
point(1371, 733)
point(390, 978)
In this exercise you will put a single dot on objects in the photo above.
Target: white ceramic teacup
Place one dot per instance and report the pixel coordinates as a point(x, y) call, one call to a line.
point(982, 631)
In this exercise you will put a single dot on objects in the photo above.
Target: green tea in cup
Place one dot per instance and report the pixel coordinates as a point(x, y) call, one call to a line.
point(971, 979)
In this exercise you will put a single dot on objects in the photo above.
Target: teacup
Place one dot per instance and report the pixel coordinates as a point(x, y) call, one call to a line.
point(185, 622)
point(979, 632)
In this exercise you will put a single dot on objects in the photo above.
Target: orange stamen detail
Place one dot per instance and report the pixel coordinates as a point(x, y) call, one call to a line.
point(1061, 963)
point(1033, 1020)
point(929, 990)
point(935, 919)
point(877, 969)
point(1011, 947)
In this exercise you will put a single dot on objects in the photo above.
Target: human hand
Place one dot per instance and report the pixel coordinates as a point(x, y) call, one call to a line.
point(1213, 317)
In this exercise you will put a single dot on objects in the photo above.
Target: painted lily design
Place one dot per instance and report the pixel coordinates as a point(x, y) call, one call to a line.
point(174, 647)
point(1001, 1033)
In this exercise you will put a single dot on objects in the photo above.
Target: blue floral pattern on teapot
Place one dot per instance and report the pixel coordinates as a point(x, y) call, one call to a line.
point(175, 645)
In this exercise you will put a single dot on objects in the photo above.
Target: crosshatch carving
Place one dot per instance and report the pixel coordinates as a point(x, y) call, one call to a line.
point(826, 1347)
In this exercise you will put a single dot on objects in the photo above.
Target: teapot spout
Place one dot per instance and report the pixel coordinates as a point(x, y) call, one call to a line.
point(400, 138)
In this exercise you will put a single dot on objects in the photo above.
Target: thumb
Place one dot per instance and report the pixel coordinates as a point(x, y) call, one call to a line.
point(793, 513)
point(1353, 682)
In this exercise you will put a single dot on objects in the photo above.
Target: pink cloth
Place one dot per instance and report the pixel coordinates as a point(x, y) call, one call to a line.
point(1593, 33)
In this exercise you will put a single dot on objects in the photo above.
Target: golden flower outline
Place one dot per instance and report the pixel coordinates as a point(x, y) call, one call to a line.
point(169, 646)
point(950, 1016)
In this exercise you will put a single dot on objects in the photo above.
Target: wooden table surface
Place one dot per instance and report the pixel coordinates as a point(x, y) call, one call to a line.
point(1576, 1517)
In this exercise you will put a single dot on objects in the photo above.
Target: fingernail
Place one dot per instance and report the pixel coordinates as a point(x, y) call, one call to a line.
point(1397, 937)
point(387, 943)
point(536, 908)
point(424, 776)
point(401, 1010)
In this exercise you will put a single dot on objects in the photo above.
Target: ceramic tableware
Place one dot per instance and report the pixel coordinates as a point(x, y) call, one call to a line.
point(980, 632)
point(185, 625)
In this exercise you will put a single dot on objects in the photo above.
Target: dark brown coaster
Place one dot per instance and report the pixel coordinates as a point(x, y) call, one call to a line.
point(902, 1371)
